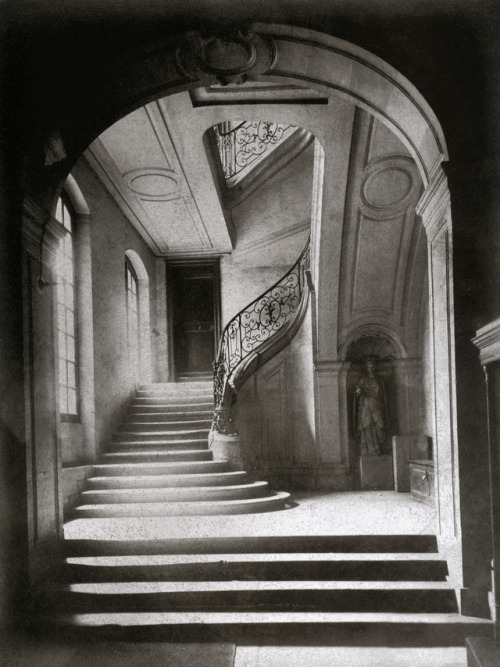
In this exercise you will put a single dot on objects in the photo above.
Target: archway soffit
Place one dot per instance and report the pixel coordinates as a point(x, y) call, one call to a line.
point(328, 62)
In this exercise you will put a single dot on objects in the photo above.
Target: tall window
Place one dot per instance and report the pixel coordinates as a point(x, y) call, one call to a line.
point(132, 296)
point(68, 388)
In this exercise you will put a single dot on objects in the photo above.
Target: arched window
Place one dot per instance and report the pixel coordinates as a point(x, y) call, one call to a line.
point(66, 321)
point(132, 297)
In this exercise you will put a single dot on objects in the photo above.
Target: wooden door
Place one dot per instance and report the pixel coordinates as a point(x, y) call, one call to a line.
point(195, 317)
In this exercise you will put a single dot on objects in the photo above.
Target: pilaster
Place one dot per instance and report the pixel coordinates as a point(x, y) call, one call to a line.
point(85, 326)
point(43, 445)
point(434, 209)
point(331, 421)
point(487, 340)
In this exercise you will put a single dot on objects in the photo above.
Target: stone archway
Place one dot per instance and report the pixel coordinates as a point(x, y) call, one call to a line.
point(337, 68)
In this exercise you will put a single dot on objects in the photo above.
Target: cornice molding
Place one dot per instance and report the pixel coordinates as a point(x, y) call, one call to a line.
point(329, 366)
point(434, 204)
point(487, 340)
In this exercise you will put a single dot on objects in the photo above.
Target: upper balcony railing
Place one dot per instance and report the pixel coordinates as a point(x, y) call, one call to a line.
point(254, 327)
point(242, 144)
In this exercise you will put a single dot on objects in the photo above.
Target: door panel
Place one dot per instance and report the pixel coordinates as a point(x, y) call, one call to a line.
point(195, 315)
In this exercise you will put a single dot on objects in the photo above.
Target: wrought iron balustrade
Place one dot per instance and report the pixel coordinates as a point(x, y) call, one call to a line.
point(254, 326)
point(243, 143)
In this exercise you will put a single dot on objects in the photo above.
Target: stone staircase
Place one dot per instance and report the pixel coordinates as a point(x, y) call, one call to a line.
point(350, 590)
point(159, 463)
point(144, 561)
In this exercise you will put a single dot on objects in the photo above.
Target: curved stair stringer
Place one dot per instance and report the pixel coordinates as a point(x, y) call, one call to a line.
point(270, 348)
point(228, 381)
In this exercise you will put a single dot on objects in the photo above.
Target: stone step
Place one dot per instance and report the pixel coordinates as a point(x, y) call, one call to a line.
point(180, 391)
point(207, 376)
point(157, 455)
point(174, 494)
point(172, 404)
point(163, 444)
point(186, 425)
point(268, 503)
point(159, 468)
point(174, 387)
point(172, 480)
point(326, 596)
point(257, 567)
point(171, 434)
point(288, 544)
point(169, 417)
point(258, 628)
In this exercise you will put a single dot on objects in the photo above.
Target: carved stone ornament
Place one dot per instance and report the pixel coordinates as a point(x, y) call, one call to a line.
point(54, 149)
point(229, 57)
point(223, 422)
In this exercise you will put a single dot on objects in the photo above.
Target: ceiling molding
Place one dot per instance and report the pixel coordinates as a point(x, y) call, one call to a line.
point(94, 157)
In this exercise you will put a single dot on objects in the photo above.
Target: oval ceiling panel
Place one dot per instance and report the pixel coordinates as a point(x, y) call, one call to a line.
point(154, 184)
point(387, 188)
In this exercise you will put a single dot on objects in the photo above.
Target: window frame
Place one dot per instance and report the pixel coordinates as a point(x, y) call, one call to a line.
point(62, 283)
point(130, 270)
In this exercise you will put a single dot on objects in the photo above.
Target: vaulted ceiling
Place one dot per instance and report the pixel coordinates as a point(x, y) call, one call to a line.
point(162, 165)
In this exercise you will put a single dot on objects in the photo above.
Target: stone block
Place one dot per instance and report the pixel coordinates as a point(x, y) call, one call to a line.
point(422, 481)
point(400, 457)
point(482, 652)
point(421, 447)
point(377, 473)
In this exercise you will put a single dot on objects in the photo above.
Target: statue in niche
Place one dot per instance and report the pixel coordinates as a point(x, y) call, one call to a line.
point(369, 410)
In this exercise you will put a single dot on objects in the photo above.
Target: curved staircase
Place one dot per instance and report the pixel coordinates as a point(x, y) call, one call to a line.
point(159, 463)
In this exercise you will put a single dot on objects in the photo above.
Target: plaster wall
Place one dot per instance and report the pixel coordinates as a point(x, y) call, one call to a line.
point(272, 226)
point(112, 235)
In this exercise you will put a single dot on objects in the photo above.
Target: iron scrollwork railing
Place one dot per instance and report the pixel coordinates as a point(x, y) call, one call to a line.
point(251, 328)
point(243, 143)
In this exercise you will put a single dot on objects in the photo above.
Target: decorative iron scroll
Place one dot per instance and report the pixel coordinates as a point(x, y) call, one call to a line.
point(257, 323)
point(240, 144)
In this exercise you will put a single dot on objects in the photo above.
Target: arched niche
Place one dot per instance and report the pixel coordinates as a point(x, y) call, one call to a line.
point(379, 347)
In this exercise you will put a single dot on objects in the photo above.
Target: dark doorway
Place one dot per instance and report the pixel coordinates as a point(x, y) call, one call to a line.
point(195, 291)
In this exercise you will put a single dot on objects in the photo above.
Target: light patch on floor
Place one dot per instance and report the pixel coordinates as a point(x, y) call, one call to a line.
point(327, 513)
point(339, 656)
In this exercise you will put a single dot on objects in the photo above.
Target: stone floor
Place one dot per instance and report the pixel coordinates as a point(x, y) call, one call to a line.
point(20, 651)
point(354, 513)
point(383, 512)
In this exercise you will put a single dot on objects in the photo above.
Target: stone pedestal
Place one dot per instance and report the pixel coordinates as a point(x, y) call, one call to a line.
point(401, 456)
point(376, 473)
point(227, 447)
